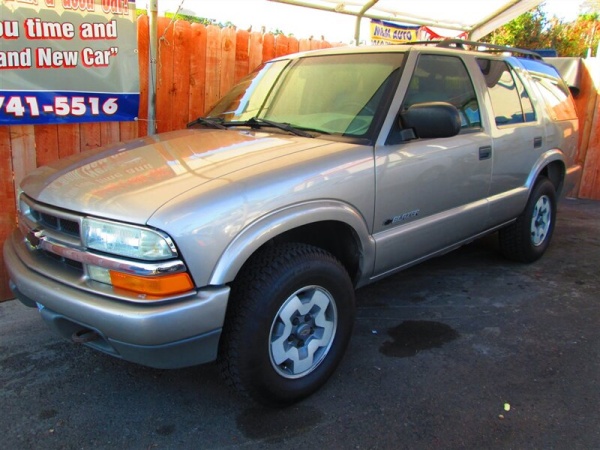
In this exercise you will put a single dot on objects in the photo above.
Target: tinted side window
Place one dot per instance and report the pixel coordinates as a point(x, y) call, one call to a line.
point(510, 100)
point(528, 111)
point(439, 78)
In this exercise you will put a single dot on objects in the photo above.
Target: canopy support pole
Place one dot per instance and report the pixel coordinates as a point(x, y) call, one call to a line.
point(359, 17)
point(153, 35)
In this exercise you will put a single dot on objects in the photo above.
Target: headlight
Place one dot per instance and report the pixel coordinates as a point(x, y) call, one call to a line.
point(127, 240)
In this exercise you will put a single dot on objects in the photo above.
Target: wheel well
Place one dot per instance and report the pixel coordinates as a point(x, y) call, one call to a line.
point(555, 172)
point(337, 238)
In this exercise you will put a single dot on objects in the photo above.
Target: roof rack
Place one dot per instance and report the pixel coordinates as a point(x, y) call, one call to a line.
point(478, 46)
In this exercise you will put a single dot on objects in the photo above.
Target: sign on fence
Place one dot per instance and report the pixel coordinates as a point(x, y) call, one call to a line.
point(65, 61)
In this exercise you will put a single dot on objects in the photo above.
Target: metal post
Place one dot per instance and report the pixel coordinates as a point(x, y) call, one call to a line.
point(359, 17)
point(153, 34)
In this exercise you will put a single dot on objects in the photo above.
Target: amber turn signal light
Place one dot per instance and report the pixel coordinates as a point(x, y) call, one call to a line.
point(162, 285)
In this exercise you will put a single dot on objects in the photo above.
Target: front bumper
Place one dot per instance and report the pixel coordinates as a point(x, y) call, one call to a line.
point(181, 333)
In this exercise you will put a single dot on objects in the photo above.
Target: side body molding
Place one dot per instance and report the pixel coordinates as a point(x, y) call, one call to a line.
point(274, 224)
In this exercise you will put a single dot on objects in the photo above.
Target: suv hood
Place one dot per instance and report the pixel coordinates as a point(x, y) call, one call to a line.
point(131, 180)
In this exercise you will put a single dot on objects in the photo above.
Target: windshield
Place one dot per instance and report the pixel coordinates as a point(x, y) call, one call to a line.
point(331, 94)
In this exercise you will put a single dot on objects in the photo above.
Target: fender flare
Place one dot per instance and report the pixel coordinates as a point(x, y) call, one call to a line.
point(543, 161)
point(267, 227)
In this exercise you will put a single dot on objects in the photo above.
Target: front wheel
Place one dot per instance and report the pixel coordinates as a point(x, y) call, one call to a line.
point(290, 320)
point(527, 239)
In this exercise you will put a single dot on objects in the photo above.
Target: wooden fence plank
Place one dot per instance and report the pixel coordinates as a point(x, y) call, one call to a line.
point(324, 44)
point(304, 45)
point(69, 140)
point(110, 132)
point(46, 143)
point(164, 74)
point(255, 50)
point(585, 103)
point(293, 45)
point(24, 159)
point(197, 71)
point(90, 135)
point(281, 45)
point(144, 70)
point(268, 50)
point(242, 56)
point(180, 91)
point(590, 180)
point(128, 130)
point(228, 42)
point(213, 69)
point(588, 108)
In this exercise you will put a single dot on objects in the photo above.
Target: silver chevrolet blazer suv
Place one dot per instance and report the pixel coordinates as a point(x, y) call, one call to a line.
point(242, 238)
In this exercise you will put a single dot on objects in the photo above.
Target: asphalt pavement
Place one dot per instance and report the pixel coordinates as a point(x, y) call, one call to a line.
point(465, 351)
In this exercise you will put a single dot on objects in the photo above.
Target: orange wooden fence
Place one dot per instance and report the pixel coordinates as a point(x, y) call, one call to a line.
point(588, 110)
point(196, 65)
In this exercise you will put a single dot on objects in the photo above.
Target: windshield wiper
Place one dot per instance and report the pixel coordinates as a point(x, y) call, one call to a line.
point(212, 123)
point(256, 122)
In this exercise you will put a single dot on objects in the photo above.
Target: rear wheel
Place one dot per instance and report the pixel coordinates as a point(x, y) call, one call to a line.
point(527, 239)
point(290, 319)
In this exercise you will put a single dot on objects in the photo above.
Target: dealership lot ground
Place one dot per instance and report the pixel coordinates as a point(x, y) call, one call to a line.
point(464, 351)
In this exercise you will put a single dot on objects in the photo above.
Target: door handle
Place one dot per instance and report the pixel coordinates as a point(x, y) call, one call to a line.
point(485, 152)
point(537, 142)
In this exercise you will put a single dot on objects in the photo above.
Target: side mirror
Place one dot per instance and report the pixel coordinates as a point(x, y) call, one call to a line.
point(431, 120)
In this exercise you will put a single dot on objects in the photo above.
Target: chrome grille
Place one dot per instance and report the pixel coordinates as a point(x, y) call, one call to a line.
point(61, 226)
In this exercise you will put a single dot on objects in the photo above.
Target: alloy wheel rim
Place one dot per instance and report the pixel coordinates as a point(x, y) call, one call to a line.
point(541, 220)
point(302, 332)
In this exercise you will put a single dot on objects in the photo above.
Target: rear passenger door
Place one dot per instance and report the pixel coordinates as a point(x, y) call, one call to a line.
point(518, 138)
point(432, 193)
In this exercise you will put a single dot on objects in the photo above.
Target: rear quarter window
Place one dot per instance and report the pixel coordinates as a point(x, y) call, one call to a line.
point(510, 100)
point(553, 89)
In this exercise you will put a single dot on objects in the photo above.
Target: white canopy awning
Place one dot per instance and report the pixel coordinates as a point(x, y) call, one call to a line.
point(477, 18)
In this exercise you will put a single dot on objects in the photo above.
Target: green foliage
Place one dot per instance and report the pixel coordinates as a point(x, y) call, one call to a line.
point(533, 30)
point(526, 31)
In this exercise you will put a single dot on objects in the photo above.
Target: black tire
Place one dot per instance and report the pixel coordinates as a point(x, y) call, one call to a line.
point(260, 333)
point(527, 239)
